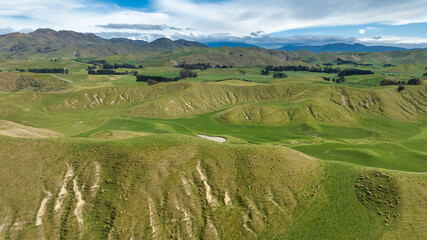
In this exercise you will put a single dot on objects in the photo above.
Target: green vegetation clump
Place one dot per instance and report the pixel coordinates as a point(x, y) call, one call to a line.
point(390, 81)
point(414, 81)
point(380, 192)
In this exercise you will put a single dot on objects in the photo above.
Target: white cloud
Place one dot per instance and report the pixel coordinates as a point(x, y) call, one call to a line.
point(199, 19)
point(409, 42)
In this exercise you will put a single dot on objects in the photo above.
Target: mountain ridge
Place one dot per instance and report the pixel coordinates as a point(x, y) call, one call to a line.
point(48, 43)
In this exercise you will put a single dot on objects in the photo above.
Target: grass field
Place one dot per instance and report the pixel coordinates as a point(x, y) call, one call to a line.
point(106, 157)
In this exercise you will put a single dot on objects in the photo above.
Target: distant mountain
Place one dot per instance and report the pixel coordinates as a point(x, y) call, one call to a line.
point(229, 44)
point(47, 43)
point(341, 47)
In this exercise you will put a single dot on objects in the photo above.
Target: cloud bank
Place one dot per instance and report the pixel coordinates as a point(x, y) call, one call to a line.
point(238, 20)
point(146, 27)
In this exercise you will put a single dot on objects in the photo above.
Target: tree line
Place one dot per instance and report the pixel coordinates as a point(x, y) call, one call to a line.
point(335, 80)
point(298, 68)
point(48, 70)
point(341, 73)
point(118, 65)
point(194, 66)
point(342, 62)
point(392, 81)
point(354, 71)
point(107, 72)
point(200, 66)
point(151, 80)
point(107, 66)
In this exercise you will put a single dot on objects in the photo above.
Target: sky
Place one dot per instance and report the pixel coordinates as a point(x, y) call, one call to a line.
point(270, 24)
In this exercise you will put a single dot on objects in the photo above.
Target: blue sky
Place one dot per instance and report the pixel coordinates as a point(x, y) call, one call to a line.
point(129, 4)
point(265, 23)
point(374, 29)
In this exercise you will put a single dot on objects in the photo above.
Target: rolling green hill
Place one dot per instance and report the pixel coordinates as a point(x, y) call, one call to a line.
point(180, 187)
point(230, 154)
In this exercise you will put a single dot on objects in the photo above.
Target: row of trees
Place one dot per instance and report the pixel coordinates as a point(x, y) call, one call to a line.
point(342, 62)
point(335, 80)
point(393, 81)
point(144, 78)
point(106, 72)
point(354, 71)
point(48, 70)
point(151, 80)
point(269, 69)
point(194, 66)
point(118, 65)
point(200, 66)
point(97, 62)
point(103, 63)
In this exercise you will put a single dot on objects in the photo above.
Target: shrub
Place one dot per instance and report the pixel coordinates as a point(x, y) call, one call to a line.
point(280, 75)
point(186, 73)
point(152, 82)
point(389, 81)
point(400, 88)
point(414, 81)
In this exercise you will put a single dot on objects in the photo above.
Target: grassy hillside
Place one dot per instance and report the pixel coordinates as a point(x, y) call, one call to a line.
point(106, 157)
point(258, 56)
point(180, 187)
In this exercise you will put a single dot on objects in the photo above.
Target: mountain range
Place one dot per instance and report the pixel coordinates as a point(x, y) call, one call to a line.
point(48, 44)
point(70, 44)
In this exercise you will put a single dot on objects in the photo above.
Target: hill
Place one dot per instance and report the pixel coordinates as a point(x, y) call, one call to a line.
point(169, 186)
point(255, 56)
point(230, 154)
point(47, 43)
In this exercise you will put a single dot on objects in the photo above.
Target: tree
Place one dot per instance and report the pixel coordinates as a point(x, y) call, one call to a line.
point(186, 73)
point(279, 75)
point(326, 79)
point(389, 81)
point(414, 81)
point(400, 88)
point(265, 72)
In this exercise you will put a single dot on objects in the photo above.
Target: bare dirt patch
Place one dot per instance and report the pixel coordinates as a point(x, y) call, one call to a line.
point(78, 212)
point(42, 209)
point(215, 139)
point(12, 129)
